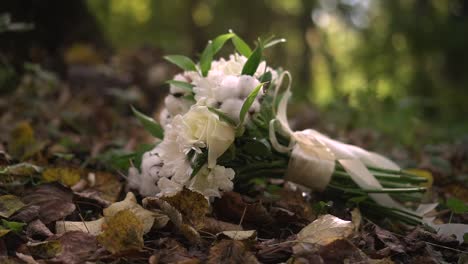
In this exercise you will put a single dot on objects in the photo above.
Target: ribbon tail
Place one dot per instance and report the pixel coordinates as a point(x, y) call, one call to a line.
point(362, 177)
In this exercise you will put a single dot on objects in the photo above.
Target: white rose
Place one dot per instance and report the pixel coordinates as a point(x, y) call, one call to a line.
point(203, 126)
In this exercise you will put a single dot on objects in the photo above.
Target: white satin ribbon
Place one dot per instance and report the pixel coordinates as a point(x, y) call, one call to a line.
point(313, 155)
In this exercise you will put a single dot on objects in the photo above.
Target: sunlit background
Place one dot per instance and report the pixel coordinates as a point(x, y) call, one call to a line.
point(399, 67)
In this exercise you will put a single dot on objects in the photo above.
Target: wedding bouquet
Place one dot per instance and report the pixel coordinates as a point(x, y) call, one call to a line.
point(224, 123)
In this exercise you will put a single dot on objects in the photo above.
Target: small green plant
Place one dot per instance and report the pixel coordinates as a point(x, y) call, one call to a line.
point(456, 207)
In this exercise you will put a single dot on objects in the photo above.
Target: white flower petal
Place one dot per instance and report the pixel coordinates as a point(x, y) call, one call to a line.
point(232, 107)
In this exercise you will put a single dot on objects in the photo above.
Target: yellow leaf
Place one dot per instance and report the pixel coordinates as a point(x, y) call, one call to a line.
point(45, 250)
point(22, 138)
point(424, 174)
point(4, 231)
point(148, 218)
point(123, 232)
point(67, 176)
point(9, 204)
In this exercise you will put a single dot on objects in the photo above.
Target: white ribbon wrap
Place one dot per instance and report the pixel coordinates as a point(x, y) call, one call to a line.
point(313, 155)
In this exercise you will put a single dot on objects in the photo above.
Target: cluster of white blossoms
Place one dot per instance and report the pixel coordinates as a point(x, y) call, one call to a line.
point(192, 129)
point(224, 88)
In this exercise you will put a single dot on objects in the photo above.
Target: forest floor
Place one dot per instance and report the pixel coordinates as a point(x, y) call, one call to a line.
point(65, 147)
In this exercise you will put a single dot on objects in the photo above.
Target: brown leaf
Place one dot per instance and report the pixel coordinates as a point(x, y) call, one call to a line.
point(342, 251)
point(323, 231)
point(9, 204)
point(171, 251)
point(26, 214)
point(107, 185)
point(233, 208)
point(230, 251)
point(123, 232)
point(294, 202)
point(37, 228)
point(192, 205)
point(54, 200)
point(45, 250)
point(77, 247)
point(215, 226)
point(187, 230)
point(390, 240)
point(274, 251)
point(186, 209)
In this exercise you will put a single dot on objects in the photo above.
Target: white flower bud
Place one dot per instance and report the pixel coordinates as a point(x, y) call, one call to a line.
point(227, 89)
point(232, 107)
point(247, 84)
point(175, 105)
point(164, 117)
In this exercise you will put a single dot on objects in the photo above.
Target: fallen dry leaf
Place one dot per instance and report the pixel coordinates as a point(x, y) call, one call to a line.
point(107, 185)
point(4, 231)
point(65, 175)
point(232, 207)
point(171, 251)
point(21, 139)
point(91, 227)
point(123, 232)
point(342, 251)
point(9, 204)
point(37, 228)
point(239, 235)
point(192, 205)
point(176, 218)
point(215, 226)
point(44, 250)
point(77, 247)
point(389, 240)
point(231, 251)
point(147, 217)
point(323, 231)
point(186, 209)
point(54, 200)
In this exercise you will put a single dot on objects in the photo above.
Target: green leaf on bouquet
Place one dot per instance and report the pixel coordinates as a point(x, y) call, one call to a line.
point(257, 147)
point(211, 49)
point(266, 77)
point(190, 97)
point(184, 85)
point(223, 116)
point(150, 125)
point(242, 47)
point(219, 41)
point(183, 62)
point(251, 65)
point(248, 103)
point(274, 42)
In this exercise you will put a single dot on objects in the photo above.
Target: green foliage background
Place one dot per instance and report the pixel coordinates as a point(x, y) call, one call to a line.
point(396, 66)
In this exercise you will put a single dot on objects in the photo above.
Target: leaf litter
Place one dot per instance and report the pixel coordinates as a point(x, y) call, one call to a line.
point(64, 199)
